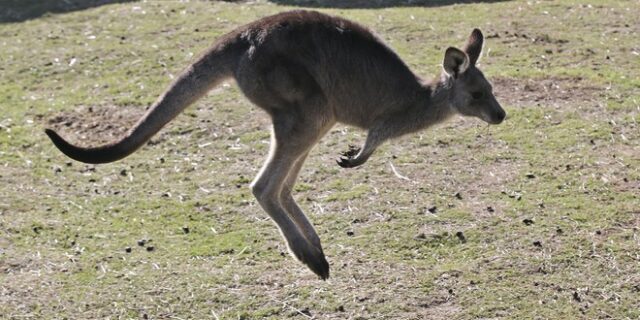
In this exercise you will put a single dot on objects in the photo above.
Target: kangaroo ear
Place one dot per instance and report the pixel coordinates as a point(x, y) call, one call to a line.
point(474, 46)
point(455, 62)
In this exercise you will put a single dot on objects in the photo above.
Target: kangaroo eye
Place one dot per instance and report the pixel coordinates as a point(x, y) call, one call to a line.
point(477, 95)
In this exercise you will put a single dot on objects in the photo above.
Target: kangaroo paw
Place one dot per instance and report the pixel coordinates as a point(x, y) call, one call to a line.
point(348, 158)
point(352, 152)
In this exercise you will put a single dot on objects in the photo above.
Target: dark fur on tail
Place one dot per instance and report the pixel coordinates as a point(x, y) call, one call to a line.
point(103, 154)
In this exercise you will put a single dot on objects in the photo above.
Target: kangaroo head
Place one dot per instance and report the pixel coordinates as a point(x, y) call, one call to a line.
point(471, 94)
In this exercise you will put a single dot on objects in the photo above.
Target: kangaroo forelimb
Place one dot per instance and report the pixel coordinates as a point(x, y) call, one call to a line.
point(357, 156)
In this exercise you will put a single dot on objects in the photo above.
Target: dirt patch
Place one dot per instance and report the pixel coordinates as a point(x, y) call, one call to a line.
point(95, 125)
point(29, 284)
point(513, 36)
point(549, 91)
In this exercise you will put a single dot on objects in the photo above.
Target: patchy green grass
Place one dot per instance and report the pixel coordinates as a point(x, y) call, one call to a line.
point(535, 218)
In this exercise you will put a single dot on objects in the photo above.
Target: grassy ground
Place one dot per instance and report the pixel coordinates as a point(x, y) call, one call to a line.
point(535, 218)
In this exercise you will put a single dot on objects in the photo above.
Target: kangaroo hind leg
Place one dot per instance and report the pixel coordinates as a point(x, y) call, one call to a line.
point(292, 207)
point(292, 138)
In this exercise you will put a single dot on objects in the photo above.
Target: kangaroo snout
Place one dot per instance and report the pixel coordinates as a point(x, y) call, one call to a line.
point(493, 116)
point(498, 116)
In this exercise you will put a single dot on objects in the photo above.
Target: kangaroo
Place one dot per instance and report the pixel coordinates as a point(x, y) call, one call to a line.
point(308, 71)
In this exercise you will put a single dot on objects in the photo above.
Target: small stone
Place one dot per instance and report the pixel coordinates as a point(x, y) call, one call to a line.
point(527, 222)
point(127, 249)
point(350, 233)
point(433, 209)
point(186, 230)
point(150, 248)
point(142, 242)
point(458, 196)
point(537, 244)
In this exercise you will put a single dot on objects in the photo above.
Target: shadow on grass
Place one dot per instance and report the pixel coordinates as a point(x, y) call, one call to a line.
point(371, 4)
point(21, 10)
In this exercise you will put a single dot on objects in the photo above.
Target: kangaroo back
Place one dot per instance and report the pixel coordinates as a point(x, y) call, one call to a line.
point(215, 65)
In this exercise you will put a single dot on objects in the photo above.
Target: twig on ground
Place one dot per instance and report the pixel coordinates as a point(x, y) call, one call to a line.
point(393, 168)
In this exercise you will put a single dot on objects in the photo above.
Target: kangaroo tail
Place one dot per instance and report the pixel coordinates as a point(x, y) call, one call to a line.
point(215, 65)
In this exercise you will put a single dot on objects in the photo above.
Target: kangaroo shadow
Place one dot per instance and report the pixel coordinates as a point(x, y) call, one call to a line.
point(22, 10)
point(372, 4)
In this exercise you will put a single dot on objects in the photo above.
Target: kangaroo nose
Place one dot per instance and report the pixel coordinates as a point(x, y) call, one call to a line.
point(499, 116)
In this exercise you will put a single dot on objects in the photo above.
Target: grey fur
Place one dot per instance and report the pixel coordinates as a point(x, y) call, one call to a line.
point(308, 71)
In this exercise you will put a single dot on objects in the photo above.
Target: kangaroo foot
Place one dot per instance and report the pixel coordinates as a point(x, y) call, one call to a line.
point(348, 158)
point(312, 257)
